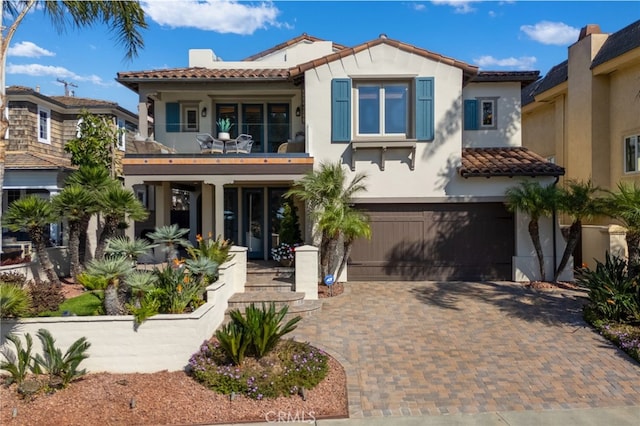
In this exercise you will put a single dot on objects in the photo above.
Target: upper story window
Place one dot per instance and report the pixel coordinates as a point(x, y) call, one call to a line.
point(182, 117)
point(632, 154)
point(44, 125)
point(386, 109)
point(382, 109)
point(481, 114)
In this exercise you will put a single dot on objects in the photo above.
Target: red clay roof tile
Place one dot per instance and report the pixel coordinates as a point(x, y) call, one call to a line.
point(511, 162)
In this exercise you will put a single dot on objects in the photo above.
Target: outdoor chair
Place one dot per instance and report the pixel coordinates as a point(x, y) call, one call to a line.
point(209, 145)
point(240, 145)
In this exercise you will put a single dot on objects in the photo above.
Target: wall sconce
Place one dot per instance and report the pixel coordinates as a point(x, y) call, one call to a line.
point(204, 112)
point(298, 112)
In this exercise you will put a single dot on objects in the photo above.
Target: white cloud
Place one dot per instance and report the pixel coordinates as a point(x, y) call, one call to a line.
point(29, 50)
point(547, 32)
point(222, 16)
point(39, 70)
point(418, 6)
point(523, 62)
point(459, 6)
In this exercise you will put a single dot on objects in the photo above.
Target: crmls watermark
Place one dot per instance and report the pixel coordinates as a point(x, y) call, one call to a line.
point(290, 417)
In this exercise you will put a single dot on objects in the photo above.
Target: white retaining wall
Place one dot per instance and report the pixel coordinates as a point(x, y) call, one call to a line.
point(162, 342)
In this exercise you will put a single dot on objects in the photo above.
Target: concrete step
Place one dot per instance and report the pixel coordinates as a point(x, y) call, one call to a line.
point(273, 285)
point(242, 300)
point(270, 274)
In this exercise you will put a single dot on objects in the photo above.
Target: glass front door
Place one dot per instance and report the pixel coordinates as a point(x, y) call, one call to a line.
point(254, 222)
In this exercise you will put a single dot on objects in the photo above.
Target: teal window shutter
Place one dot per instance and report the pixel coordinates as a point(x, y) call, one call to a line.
point(173, 117)
point(470, 114)
point(341, 110)
point(425, 127)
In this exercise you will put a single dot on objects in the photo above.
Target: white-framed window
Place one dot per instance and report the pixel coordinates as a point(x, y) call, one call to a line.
point(122, 134)
point(382, 109)
point(190, 117)
point(481, 113)
point(44, 125)
point(632, 154)
point(487, 113)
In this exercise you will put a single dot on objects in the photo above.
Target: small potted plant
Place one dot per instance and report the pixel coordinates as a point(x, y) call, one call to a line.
point(224, 126)
point(284, 254)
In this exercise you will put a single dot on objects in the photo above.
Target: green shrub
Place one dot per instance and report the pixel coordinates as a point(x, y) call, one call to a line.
point(216, 250)
point(59, 366)
point(613, 294)
point(14, 301)
point(19, 363)
point(263, 327)
point(234, 340)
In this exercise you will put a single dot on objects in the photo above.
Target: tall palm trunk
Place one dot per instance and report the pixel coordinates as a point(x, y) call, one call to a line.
point(572, 242)
point(109, 231)
point(534, 232)
point(40, 248)
point(348, 245)
point(633, 245)
point(324, 255)
point(74, 248)
point(332, 246)
point(112, 303)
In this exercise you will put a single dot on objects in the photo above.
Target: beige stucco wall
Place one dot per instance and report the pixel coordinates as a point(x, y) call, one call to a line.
point(539, 124)
point(508, 129)
point(624, 112)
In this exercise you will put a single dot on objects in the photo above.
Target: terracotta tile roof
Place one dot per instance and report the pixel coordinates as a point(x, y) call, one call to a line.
point(469, 70)
point(511, 162)
point(33, 160)
point(131, 78)
point(293, 41)
point(618, 44)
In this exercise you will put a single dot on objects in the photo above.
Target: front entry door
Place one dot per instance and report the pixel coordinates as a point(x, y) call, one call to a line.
point(254, 222)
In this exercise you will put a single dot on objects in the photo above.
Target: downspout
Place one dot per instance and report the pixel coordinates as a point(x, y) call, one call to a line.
point(553, 231)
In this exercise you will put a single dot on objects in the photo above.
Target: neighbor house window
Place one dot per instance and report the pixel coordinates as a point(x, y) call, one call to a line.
point(190, 118)
point(481, 114)
point(382, 109)
point(44, 125)
point(632, 154)
point(122, 135)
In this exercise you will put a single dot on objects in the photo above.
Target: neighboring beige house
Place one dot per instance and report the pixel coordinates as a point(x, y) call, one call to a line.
point(584, 115)
point(439, 140)
point(39, 126)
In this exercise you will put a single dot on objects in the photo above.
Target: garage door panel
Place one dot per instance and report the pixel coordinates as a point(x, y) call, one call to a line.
point(435, 241)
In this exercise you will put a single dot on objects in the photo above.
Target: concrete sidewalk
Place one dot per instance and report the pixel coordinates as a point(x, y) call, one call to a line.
point(620, 416)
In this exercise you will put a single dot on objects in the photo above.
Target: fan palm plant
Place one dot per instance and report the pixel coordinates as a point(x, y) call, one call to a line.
point(327, 194)
point(34, 214)
point(536, 201)
point(624, 205)
point(577, 199)
point(170, 236)
point(76, 204)
point(111, 273)
point(117, 204)
point(131, 249)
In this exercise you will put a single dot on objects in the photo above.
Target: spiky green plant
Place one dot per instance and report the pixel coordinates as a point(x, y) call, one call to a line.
point(234, 340)
point(624, 205)
point(113, 271)
point(19, 363)
point(53, 362)
point(131, 249)
point(170, 236)
point(14, 301)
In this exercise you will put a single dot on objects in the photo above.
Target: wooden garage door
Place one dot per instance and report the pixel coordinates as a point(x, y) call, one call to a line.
point(453, 241)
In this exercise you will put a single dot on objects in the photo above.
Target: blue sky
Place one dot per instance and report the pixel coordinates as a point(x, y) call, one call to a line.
point(494, 35)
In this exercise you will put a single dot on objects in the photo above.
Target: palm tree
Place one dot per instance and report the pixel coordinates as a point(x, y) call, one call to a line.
point(124, 18)
point(109, 273)
point(96, 180)
point(577, 200)
point(355, 224)
point(117, 204)
point(536, 201)
point(624, 205)
point(123, 246)
point(327, 196)
point(34, 214)
point(76, 204)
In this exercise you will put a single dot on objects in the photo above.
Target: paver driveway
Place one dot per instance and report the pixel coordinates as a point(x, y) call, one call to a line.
point(429, 348)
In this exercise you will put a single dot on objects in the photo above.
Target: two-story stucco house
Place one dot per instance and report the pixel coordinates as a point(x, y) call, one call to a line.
point(585, 116)
point(39, 126)
point(439, 140)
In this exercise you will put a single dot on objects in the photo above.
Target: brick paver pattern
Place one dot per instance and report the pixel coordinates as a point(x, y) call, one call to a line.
point(432, 348)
